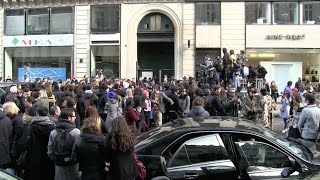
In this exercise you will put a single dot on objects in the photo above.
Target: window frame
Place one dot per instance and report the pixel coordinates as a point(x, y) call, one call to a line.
point(5, 23)
point(199, 23)
point(267, 145)
point(27, 21)
point(182, 145)
point(50, 20)
point(281, 2)
point(270, 8)
point(105, 32)
point(302, 12)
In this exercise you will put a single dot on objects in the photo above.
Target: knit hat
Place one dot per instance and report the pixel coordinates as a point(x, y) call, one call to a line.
point(111, 95)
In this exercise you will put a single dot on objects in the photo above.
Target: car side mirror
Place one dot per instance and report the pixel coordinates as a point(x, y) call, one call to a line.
point(286, 172)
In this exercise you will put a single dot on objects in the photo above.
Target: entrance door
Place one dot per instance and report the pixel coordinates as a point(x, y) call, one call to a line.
point(155, 46)
point(155, 56)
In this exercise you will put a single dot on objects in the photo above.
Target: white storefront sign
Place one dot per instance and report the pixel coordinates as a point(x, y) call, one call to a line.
point(282, 36)
point(38, 40)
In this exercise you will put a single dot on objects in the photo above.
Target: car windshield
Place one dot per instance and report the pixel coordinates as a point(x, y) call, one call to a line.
point(292, 145)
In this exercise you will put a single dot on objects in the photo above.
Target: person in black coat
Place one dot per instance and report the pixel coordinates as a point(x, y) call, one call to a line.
point(218, 109)
point(119, 151)
point(35, 139)
point(12, 111)
point(138, 101)
point(174, 111)
point(89, 150)
point(5, 132)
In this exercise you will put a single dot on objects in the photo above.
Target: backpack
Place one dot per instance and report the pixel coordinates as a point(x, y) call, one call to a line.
point(142, 172)
point(63, 144)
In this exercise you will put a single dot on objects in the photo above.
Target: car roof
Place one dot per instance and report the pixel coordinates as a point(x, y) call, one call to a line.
point(197, 124)
point(216, 123)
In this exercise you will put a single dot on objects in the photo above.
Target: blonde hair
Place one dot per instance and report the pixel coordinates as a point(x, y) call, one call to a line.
point(43, 93)
point(129, 92)
point(11, 108)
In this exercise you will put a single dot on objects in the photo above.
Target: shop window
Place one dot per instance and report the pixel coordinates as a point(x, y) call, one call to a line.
point(105, 19)
point(38, 21)
point(311, 13)
point(39, 62)
point(208, 13)
point(285, 13)
point(258, 13)
point(107, 59)
point(14, 22)
point(61, 20)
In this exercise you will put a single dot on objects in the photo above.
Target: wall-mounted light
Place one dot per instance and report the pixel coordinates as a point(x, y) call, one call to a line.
point(188, 43)
point(81, 60)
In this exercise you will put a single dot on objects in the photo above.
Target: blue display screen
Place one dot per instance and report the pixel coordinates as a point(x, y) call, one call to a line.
point(33, 73)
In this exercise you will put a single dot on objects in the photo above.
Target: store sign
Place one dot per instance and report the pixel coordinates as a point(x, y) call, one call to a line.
point(38, 40)
point(285, 36)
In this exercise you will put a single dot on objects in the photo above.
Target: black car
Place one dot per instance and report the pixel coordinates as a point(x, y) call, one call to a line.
point(223, 148)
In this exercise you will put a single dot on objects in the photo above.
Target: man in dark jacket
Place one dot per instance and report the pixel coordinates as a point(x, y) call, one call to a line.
point(5, 132)
point(174, 110)
point(218, 109)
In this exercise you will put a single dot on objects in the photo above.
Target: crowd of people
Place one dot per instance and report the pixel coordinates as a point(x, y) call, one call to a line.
point(87, 128)
point(231, 68)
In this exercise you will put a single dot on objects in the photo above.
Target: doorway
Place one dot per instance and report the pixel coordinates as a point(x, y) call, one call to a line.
point(156, 57)
point(155, 47)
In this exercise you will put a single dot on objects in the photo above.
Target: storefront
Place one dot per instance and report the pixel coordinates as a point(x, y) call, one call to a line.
point(287, 52)
point(38, 56)
point(105, 54)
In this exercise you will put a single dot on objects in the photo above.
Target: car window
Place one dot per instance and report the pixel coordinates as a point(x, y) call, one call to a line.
point(261, 156)
point(198, 150)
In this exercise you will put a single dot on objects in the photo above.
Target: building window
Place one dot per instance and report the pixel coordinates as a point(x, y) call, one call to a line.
point(107, 59)
point(61, 20)
point(285, 13)
point(311, 13)
point(39, 62)
point(105, 19)
point(258, 13)
point(14, 22)
point(208, 13)
point(38, 21)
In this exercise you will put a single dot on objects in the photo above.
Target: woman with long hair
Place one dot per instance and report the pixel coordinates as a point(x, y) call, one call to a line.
point(89, 149)
point(91, 112)
point(184, 101)
point(120, 148)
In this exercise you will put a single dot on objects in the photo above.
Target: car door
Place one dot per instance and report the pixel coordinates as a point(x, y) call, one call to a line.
point(203, 157)
point(261, 159)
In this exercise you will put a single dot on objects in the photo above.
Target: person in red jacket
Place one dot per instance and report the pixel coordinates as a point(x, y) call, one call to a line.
point(132, 114)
